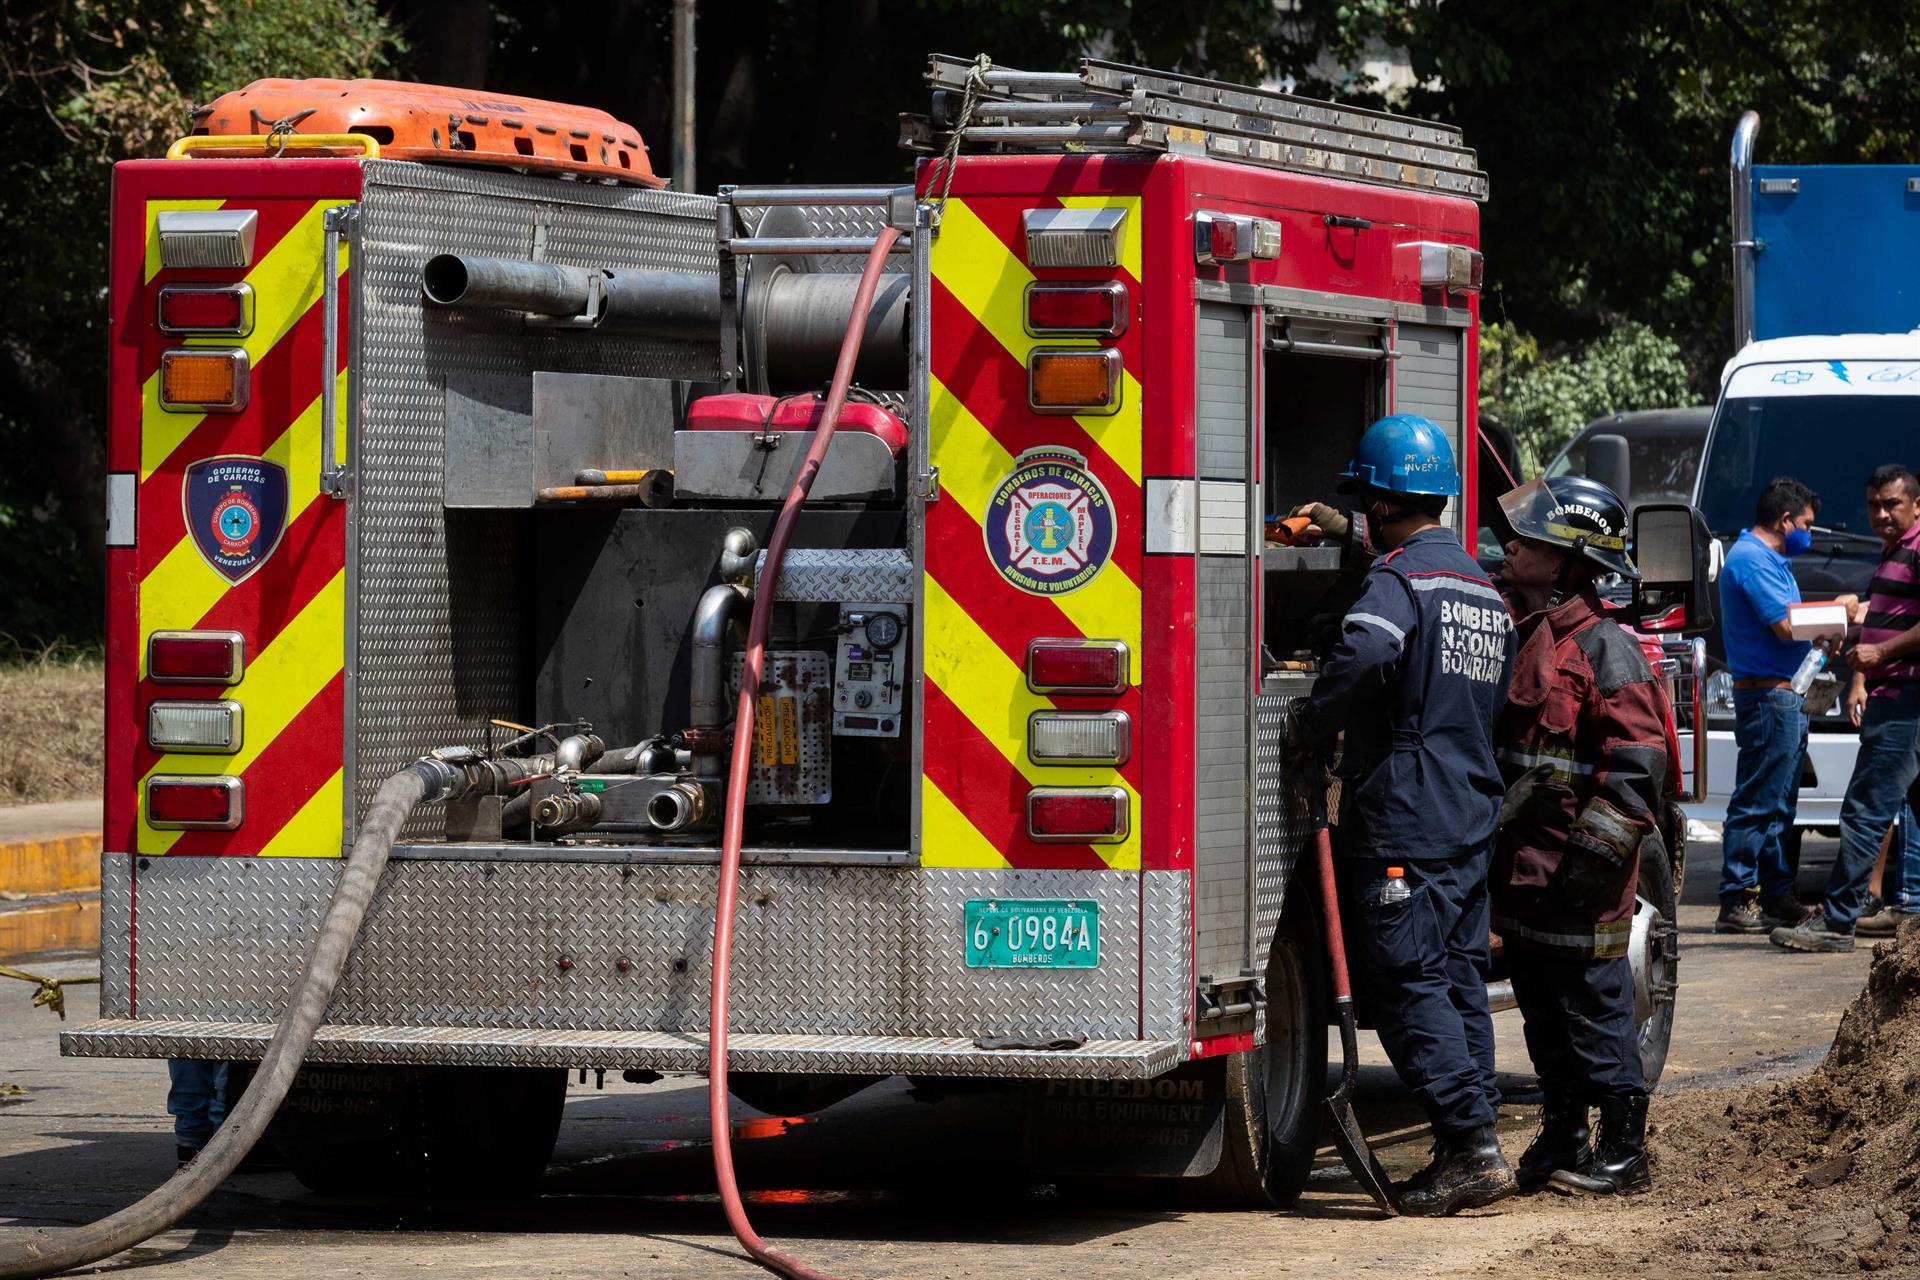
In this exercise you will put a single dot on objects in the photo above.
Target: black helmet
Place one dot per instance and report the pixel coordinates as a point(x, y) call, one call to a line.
point(1575, 514)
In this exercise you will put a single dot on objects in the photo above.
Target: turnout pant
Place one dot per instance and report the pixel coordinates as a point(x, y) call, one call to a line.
point(1421, 965)
point(1581, 1033)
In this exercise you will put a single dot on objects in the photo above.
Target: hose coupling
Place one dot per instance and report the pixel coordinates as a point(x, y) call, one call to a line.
point(443, 779)
point(677, 807)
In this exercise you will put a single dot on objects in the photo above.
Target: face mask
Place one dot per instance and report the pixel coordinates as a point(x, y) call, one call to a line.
point(1798, 540)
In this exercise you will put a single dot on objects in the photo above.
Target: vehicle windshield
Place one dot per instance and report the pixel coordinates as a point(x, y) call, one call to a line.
point(1828, 442)
point(1663, 466)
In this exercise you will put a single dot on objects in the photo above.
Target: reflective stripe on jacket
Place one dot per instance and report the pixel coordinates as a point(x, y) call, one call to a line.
point(1586, 729)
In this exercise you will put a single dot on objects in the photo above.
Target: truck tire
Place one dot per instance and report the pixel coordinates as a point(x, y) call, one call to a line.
point(468, 1132)
point(1659, 890)
point(1273, 1092)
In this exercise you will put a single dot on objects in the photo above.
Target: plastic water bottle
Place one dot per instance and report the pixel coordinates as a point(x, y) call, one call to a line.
point(1394, 888)
point(1810, 666)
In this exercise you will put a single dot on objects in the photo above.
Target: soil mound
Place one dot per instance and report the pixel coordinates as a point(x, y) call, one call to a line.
point(1815, 1176)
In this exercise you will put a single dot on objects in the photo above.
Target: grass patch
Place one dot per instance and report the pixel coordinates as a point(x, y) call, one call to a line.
point(53, 721)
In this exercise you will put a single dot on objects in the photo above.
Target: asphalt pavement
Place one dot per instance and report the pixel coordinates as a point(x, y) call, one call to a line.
point(891, 1182)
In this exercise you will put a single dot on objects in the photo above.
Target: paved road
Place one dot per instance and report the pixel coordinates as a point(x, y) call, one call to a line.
point(881, 1185)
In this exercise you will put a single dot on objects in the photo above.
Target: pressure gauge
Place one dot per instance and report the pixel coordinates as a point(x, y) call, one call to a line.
point(883, 630)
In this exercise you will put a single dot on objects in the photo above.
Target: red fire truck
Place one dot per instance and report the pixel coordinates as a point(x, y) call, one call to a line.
point(441, 429)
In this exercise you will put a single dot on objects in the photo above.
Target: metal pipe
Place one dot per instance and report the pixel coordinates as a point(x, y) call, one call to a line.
point(708, 702)
point(649, 494)
point(677, 807)
point(577, 752)
point(683, 68)
point(1044, 111)
point(658, 303)
point(739, 555)
point(1745, 247)
point(1046, 135)
point(595, 476)
point(774, 197)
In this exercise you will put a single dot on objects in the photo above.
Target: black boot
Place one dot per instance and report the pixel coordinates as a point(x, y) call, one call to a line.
point(1560, 1144)
point(1619, 1164)
point(1468, 1172)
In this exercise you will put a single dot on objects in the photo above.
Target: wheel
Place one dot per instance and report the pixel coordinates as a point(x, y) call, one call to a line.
point(482, 1132)
point(1273, 1093)
point(1654, 953)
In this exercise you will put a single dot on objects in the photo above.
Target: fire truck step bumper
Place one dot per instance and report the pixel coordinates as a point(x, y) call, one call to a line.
point(617, 1050)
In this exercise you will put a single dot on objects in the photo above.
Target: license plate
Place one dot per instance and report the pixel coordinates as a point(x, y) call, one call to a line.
point(1029, 933)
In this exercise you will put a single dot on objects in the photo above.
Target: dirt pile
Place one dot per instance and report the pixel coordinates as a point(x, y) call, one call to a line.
point(1815, 1176)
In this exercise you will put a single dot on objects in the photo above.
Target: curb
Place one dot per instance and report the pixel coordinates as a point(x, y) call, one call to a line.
point(60, 876)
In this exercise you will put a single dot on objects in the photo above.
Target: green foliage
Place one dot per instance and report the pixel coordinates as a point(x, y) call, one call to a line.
point(1544, 399)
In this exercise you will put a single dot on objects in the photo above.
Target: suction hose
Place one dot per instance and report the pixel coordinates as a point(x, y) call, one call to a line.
point(45, 1253)
point(735, 822)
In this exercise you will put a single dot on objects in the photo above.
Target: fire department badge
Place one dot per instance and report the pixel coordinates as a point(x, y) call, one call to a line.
point(1049, 526)
point(236, 510)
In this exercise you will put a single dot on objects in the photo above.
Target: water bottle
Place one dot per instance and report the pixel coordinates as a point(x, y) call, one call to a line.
point(1810, 666)
point(1394, 888)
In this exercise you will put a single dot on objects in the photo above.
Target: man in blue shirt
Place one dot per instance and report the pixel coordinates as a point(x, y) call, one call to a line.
point(1770, 722)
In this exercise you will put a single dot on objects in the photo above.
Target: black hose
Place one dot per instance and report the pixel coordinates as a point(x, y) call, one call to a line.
point(44, 1252)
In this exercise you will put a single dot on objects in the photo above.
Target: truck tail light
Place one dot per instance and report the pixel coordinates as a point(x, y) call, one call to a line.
point(209, 380)
point(208, 237)
point(1074, 381)
point(196, 657)
point(1077, 666)
point(1097, 310)
point(1077, 815)
point(1079, 737)
point(1073, 237)
point(188, 803)
point(1233, 237)
point(225, 309)
point(194, 726)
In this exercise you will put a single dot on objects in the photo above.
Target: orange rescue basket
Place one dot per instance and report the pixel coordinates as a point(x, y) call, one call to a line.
point(421, 122)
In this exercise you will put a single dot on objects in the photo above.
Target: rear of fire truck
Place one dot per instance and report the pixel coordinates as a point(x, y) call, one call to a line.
point(421, 448)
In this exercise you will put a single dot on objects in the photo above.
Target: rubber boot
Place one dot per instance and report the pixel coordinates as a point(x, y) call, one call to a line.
point(1560, 1144)
point(1469, 1172)
point(1619, 1165)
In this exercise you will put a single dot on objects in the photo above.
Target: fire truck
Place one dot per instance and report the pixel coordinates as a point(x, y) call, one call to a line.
point(444, 434)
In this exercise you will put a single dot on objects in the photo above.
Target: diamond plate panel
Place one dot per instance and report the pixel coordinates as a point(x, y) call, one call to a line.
point(880, 575)
point(116, 935)
point(1282, 832)
point(658, 1051)
point(1166, 991)
point(820, 950)
point(439, 596)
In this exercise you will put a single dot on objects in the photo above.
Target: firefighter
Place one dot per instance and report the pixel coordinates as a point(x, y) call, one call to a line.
point(1416, 679)
point(1583, 747)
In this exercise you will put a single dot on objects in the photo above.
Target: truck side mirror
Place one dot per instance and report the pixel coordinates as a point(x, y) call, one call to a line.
point(1609, 462)
point(1671, 548)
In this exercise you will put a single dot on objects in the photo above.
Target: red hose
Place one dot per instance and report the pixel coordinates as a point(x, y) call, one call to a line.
point(720, 1125)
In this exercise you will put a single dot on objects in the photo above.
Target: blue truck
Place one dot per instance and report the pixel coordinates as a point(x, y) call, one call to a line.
point(1824, 386)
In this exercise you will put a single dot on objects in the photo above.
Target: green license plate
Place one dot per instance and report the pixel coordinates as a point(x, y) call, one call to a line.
point(1032, 933)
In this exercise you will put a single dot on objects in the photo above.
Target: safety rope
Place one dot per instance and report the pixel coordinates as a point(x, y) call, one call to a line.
point(976, 85)
point(52, 992)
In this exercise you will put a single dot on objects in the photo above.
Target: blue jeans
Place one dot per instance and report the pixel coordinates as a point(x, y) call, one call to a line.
point(1876, 795)
point(1770, 729)
point(1903, 881)
point(197, 1100)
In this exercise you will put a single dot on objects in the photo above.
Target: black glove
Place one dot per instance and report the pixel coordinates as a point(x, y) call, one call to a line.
point(1302, 769)
point(1585, 881)
point(1522, 791)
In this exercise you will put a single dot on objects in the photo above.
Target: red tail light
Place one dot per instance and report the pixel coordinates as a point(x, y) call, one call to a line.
point(1077, 666)
point(1091, 815)
point(195, 803)
point(223, 309)
point(1097, 310)
point(196, 657)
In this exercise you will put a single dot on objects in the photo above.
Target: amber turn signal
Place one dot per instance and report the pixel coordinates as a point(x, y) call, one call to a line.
point(1074, 381)
point(209, 380)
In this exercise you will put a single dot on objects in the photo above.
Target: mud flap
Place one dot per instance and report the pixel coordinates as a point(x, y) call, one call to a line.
point(1172, 1126)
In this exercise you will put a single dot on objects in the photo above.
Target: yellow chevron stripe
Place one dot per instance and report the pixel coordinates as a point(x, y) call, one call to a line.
point(277, 686)
point(285, 284)
point(154, 209)
point(971, 464)
point(182, 587)
point(990, 689)
point(990, 281)
point(947, 838)
point(314, 832)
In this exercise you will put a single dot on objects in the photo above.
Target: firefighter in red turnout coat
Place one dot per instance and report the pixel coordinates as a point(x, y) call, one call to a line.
point(1582, 748)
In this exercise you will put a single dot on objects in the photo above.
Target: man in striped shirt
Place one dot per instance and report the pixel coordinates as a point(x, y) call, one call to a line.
point(1884, 701)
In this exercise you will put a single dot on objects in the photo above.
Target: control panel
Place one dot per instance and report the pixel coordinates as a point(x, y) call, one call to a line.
point(870, 670)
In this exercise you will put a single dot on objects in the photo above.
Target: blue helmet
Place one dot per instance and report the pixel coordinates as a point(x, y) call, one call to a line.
point(1404, 453)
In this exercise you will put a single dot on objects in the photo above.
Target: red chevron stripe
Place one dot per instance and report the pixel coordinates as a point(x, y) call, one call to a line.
point(1002, 216)
point(971, 772)
point(993, 386)
point(282, 778)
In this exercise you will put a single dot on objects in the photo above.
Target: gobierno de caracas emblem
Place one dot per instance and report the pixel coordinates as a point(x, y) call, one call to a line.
point(236, 510)
point(1049, 525)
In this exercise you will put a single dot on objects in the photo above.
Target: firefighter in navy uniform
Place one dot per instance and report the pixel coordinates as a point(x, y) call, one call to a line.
point(1583, 747)
point(1417, 679)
